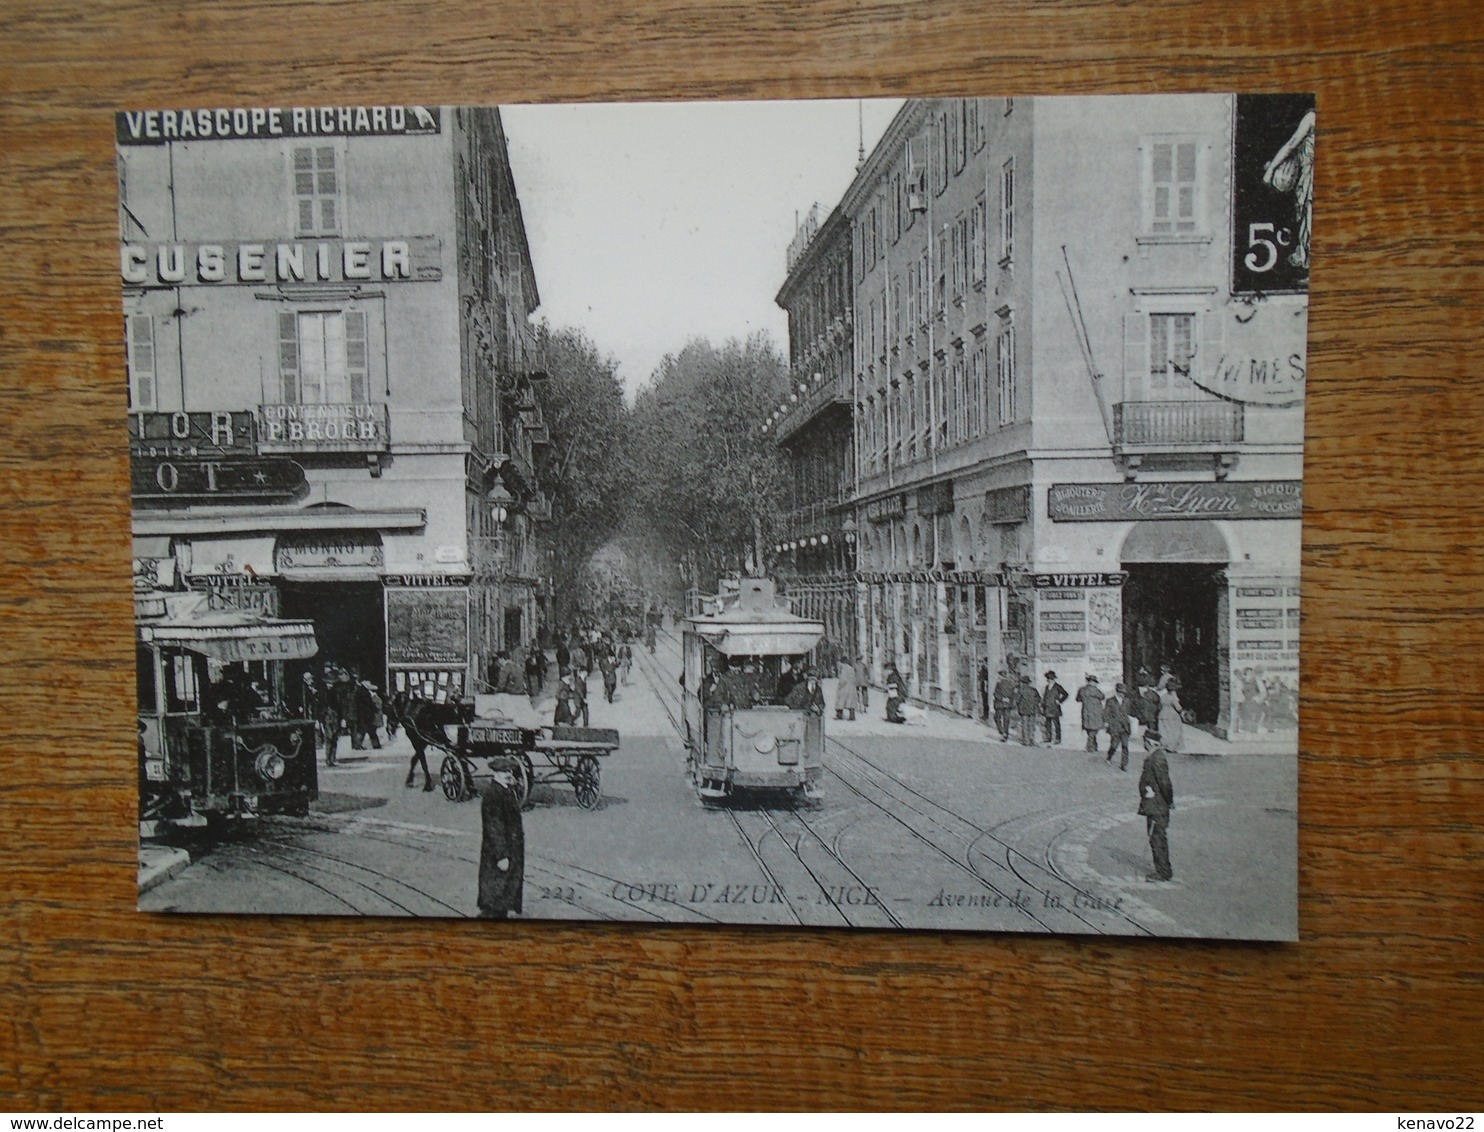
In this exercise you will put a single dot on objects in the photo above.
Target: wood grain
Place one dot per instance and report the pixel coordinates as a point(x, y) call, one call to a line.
point(1380, 1006)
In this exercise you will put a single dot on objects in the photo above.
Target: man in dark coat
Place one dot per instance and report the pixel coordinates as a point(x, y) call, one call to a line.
point(1116, 711)
point(535, 671)
point(368, 707)
point(563, 654)
point(807, 695)
point(1028, 708)
point(1156, 800)
point(339, 709)
point(1146, 706)
point(787, 680)
point(1051, 700)
point(1004, 703)
point(610, 676)
point(502, 849)
point(1091, 697)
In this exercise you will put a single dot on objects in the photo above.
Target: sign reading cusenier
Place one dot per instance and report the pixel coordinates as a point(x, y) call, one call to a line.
point(1272, 193)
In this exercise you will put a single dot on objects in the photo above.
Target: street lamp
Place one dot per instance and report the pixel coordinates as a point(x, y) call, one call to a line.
point(499, 499)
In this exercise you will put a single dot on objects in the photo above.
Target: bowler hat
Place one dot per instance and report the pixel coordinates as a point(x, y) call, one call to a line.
point(1050, 675)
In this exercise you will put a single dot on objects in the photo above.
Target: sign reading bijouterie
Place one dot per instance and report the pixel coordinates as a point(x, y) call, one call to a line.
point(1108, 502)
point(240, 263)
point(156, 127)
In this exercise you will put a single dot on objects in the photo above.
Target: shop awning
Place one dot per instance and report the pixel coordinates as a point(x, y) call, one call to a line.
point(225, 635)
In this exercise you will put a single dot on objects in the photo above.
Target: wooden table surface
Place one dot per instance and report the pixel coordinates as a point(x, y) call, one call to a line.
point(1380, 1006)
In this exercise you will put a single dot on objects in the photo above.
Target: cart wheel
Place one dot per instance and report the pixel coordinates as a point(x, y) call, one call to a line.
point(585, 777)
point(453, 779)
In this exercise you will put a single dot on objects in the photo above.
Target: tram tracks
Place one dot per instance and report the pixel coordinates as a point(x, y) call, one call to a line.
point(1031, 885)
point(808, 862)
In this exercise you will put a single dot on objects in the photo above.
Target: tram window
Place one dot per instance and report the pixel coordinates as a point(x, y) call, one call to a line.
point(182, 683)
point(144, 672)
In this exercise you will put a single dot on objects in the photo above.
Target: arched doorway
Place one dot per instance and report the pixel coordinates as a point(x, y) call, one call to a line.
point(1173, 608)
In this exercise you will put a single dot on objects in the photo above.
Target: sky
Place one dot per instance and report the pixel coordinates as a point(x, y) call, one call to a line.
point(654, 223)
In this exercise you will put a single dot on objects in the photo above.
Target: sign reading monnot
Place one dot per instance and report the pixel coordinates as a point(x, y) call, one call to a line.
point(1105, 502)
point(156, 127)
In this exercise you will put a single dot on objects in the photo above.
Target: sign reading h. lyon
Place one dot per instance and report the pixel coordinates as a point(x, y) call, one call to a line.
point(227, 263)
point(156, 127)
point(1108, 502)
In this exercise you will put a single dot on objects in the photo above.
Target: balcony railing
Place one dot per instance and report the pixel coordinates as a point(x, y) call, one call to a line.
point(1177, 424)
point(811, 403)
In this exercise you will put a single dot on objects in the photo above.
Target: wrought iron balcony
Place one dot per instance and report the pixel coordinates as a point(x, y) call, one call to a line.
point(1177, 425)
point(832, 393)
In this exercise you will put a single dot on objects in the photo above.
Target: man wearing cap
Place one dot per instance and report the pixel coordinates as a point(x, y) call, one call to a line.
point(807, 695)
point(1116, 711)
point(502, 849)
point(1156, 800)
point(1028, 708)
point(1004, 702)
point(1051, 700)
point(1091, 697)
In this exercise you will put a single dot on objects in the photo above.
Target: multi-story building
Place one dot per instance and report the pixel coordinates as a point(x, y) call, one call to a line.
point(332, 414)
point(1079, 352)
point(814, 429)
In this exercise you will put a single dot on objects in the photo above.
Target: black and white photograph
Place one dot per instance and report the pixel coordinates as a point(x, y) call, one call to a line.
point(852, 514)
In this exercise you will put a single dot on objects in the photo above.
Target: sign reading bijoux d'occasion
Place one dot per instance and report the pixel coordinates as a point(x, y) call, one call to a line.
point(410, 259)
point(1108, 502)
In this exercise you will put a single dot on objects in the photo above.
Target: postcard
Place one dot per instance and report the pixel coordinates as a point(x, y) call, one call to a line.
point(855, 514)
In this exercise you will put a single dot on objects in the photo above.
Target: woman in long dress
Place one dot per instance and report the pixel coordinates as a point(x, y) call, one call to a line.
point(1171, 727)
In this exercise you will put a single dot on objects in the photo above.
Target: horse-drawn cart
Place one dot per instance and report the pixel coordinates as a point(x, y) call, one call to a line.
point(534, 755)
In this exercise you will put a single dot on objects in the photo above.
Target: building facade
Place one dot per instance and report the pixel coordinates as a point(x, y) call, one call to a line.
point(331, 407)
point(1079, 353)
point(814, 429)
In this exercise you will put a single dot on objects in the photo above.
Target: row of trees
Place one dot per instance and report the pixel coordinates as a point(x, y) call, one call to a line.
point(683, 480)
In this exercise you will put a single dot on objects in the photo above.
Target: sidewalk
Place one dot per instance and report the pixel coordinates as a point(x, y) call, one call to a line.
point(158, 863)
point(937, 723)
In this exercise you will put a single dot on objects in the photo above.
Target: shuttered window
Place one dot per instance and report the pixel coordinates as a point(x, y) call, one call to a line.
point(1172, 188)
point(1007, 210)
point(139, 333)
point(1005, 374)
point(316, 185)
point(323, 357)
point(1171, 353)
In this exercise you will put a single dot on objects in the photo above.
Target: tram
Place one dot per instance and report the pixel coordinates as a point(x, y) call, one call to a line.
point(216, 737)
point(738, 736)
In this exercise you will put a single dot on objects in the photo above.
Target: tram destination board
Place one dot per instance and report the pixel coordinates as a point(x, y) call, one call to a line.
point(846, 595)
